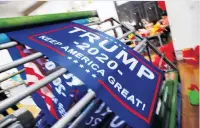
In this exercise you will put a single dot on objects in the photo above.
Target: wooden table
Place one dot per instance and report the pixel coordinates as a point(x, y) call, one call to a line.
point(190, 114)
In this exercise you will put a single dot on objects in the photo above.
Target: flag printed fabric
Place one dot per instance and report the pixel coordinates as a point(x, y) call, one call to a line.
point(14, 53)
point(51, 101)
point(43, 97)
point(103, 117)
point(121, 77)
point(40, 121)
point(56, 108)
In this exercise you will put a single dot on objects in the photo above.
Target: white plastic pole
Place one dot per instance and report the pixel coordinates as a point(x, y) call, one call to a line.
point(111, 28)
point(14, 99)
point(74, 110)
point(90, 108)
point(8, 45)
point(14, 74)
point(7, 89)
point(20, 61)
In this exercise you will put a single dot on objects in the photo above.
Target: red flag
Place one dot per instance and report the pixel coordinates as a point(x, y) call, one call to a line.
point(161, 5)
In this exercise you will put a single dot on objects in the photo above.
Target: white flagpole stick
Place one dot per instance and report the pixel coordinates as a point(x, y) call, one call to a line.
point(74, 110)
point(21, 83)
point(14, 99)
point(20, 61)
point(14, 74)
point(111, 28)
point(8, 45)
point(90, 108)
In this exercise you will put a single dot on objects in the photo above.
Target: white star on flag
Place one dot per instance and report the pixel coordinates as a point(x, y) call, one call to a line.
point(115, 42)
point(71, 95)
point(120, 45)
point(75, 42)
point(93, 75)
point(75, 61)
point(87, 70)
point(124, 48)
point(81, 66)
point(69, 58)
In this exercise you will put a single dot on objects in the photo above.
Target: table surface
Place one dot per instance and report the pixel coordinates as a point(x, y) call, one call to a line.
point(189, 74)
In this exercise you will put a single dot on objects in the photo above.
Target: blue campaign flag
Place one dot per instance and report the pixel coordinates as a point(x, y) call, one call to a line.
point(103, 117)
point(121, 77)
point(40, 121)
